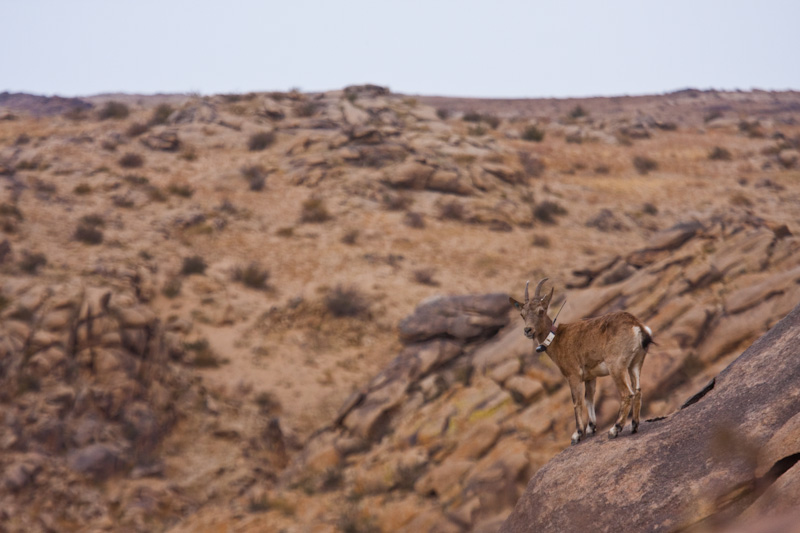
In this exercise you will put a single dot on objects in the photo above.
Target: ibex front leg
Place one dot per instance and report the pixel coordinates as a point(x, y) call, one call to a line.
point(623, 382)
point(576, 388)
point(590, 388)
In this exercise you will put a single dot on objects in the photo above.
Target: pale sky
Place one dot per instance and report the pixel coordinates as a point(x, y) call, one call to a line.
point(502, 48)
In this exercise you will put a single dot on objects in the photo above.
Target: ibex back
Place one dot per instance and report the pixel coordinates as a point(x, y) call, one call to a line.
point(614, 344)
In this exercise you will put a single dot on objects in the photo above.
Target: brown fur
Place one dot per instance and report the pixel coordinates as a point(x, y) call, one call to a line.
point(585, 350)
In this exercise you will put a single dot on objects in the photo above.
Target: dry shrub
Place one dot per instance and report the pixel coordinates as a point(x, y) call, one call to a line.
point(161, 114)
point(314, 211)
point(397, 201)
point(350, 237)
point(260, 141)
point(131, 160)
point(533, 133)
point(541, 241)
point(547, 211)
point(31, 263)
point(452, 210)
point(182, 190)
point(256, 176)
point(644, 164)
point(113, 110)
point(193, 265)
point(88, 234)
point(424, 276)
point(253, 276)
point(414, 220)
point(532, 165)
point(720, 154)
point(346, 302)
point(136, 129)
point(82, 189)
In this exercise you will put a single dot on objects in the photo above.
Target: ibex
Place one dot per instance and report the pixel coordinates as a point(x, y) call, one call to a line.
point(613, 344)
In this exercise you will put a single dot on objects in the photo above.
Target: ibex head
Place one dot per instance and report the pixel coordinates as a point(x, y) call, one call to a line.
point(534, 311)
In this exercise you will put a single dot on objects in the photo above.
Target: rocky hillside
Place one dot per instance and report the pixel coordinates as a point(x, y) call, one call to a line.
point(289, 311)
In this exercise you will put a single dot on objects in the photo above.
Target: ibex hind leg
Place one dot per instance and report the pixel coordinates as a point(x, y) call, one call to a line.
point(623, 383)
point(634, 373)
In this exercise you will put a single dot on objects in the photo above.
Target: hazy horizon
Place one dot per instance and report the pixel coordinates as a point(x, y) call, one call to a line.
point(513, 49)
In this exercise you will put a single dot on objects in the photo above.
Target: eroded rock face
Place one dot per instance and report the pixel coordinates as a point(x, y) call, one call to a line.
point(697, 463)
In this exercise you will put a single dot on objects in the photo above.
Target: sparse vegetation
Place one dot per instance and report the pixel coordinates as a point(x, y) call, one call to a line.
point(256, 176)
point(88, 234)
point(32, 262)
point(350, 236)
point(136, 129)
point(193, 265)
point(172, 287)
point(547, 211)
point(541, 241)
point(649, 209)
point(414, 220)
point(253, 276)
point(424, 276)
point(82, 189)
point(314, 211)
point(394, 201)
point(346, 302)
point(533, 133)
point(720, 154)
point(578, 112)
point(113, 110)
point(260, 141)
point(532, 165)
point(451, 210)
point(180, 189)
point(442, 113)
point(644, 164)
point(204, 356)
point(161, 114)
point(131, 160)
point(306, 109)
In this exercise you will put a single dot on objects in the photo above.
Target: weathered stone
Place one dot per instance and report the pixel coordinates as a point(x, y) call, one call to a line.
point(753, 294)
point(409, 175)
point(504, 172)
point(444, 480)
point(101, 461)
point(524, 387)
point(449, 181)
point(461, 317)
point(166, 141)
point(505, 370)
point(477, 440)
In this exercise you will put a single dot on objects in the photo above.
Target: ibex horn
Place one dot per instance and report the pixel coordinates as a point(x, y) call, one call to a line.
point(526, 289)
point(539, 288)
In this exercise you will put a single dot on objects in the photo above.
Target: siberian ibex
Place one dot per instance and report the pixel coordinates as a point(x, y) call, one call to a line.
point(613, 344)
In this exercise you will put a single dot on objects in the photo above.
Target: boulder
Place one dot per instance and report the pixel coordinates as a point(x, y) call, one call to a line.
point(459, 317)
point(686, 468)
point(100, 461)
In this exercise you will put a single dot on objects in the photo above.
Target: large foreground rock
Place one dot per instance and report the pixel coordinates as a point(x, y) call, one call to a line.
point(707, 463)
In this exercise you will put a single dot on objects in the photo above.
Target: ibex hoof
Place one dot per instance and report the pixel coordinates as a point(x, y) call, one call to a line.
point(634, 427)
point(614, 431)
point(591, 429)
point(576, 437)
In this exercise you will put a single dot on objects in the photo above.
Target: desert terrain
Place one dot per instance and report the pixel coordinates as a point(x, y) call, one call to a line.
point(289, 311)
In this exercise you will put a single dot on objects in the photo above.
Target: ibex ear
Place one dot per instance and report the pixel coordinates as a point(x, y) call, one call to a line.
point(515, 303)
point(549, 297)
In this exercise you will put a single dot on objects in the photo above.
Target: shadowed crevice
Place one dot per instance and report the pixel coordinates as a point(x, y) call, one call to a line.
point(699, 395)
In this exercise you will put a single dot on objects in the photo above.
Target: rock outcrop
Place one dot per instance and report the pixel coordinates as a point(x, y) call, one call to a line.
point(732, 449)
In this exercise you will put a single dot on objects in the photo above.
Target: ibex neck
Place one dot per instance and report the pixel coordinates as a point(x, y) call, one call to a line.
point(542, 335)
